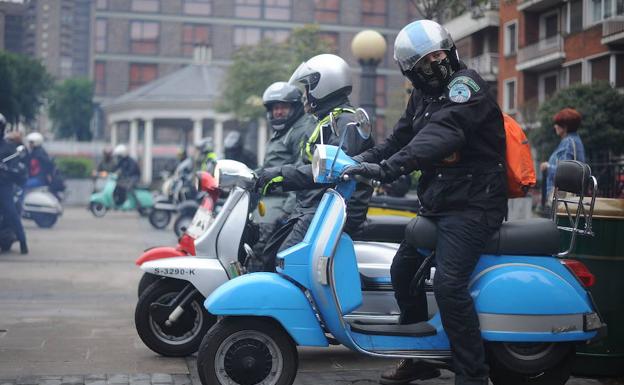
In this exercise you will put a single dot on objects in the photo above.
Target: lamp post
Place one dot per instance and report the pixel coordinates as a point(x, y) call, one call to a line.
point(369, 48)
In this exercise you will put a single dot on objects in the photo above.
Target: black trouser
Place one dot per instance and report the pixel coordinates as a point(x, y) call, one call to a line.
point(461, 240)
point(10, 212)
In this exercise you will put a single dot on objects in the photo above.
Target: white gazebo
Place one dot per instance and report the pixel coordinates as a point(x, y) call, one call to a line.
point(187, 95)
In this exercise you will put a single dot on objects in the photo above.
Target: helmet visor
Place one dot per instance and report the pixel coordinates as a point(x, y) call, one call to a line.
point(304, 75)
point(410, 47)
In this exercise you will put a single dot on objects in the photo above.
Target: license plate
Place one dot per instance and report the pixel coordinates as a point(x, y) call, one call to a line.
point(201, 221)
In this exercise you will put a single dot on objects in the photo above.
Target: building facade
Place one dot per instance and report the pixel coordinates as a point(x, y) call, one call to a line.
point(12, 14)
point(547, 45)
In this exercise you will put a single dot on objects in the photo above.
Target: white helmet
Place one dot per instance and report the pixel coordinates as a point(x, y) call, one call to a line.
point(35, 139)
point(324, 76)
point(120, 150)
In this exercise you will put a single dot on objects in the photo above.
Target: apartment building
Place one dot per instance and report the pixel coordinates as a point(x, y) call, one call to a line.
point(547, 45)
point(12, 25)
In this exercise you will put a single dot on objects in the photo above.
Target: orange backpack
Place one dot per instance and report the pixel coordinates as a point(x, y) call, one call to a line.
point(520, 169)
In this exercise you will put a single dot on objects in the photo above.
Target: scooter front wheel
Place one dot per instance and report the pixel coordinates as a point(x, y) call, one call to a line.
point(45, 220)
point(247, 350)
point(98, 209)
point(183, 336)
point(541, 363)
point(159, 218)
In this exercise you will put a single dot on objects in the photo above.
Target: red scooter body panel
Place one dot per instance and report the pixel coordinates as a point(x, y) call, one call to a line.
point(159, 253)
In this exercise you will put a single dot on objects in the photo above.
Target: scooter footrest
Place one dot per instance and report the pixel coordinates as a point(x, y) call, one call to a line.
point(421, 329)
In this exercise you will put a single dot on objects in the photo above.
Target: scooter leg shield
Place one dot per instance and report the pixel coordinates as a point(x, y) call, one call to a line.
point(530, 300)
point(269, 295)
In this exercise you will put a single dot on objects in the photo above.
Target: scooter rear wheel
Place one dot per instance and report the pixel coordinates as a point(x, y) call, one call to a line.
point(45, 220)
point(184, 336)
point(247, 350)
point(159, 218)
point(530, 363)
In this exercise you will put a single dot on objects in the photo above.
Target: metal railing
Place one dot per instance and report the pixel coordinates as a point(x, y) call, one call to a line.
point(542, 48)
point(484, 64)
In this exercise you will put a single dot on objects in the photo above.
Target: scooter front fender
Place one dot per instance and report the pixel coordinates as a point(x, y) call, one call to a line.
point(206, 274)
point(523, 301)
point(159, 253)
point(269, 295)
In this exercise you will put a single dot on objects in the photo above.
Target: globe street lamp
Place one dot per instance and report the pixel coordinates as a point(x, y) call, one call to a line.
point(369, 48)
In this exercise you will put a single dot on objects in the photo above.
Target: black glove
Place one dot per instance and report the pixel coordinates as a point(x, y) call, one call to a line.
point(268, 180)
point(358, 158)
point(369, 170)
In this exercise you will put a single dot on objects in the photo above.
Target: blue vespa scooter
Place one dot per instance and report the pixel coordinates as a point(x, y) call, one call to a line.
point(533, 306)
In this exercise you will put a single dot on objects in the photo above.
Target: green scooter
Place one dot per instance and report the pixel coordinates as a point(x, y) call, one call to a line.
point(103, 200)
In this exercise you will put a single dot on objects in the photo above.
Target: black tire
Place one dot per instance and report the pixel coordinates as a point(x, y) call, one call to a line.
point(144, 211)
point(159, 218)
point(184, 337)
point(45, 220)
point(530, 363)
point(181, 223)
point(237, 342)
point(97, 209)
point(146, 281)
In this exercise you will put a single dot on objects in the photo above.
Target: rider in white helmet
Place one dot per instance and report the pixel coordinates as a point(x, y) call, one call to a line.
point(41, 166)
point(128, 175)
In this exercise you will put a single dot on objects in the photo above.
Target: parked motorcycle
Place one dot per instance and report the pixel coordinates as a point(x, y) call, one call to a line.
point(533, 307)
point(176, 189)
point(169, 315)
point(102, 201)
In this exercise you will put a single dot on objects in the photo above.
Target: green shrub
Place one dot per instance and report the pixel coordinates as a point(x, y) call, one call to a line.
point(75, 166)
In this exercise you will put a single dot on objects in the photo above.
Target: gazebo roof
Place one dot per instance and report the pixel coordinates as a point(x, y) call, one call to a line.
point(196, 85)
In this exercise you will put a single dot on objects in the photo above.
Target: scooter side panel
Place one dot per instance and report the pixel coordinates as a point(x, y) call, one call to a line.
point(145, 197)
point(205, 274)
point(269, 295)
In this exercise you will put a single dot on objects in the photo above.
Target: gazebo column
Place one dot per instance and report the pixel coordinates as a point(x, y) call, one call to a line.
point(134, 138)
point(218, 137)
point(148, 142)
point(262, 139)
point(197, 130)
point(113, 133)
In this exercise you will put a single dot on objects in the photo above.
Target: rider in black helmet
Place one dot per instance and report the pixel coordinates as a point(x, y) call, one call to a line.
point(235, 149)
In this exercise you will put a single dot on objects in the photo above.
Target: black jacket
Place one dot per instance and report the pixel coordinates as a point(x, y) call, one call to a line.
point(128, 168)
point(16, 172)
point(299, 177)
point(41, 166)
point(457, 140)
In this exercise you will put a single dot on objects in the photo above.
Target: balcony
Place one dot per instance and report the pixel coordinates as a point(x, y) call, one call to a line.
point(613, 31)
point(486, 65)
point(536, 5)
point(545, 54)
point(473, 21)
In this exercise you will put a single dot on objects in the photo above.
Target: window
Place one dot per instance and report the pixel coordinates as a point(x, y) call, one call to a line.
point(619, 70)
point(374, 12)
point(511, 38)
point(276, 35)
point(277, 9)
point(246, 36)
point(604, 9)
point(198, 7)
point(66, 66)
point(380, 91)
point(326, 11)
point(100, 35)
point(600, 68)
point(192, 35)
point(144, 37)
point(146, 5)
point(575, 17)
point(141, 73)
point(331, 39)
point(249, 9)
point(509, 96)
point(548, 85)
point(99, 74)
point(101, 4)
point(575, 73)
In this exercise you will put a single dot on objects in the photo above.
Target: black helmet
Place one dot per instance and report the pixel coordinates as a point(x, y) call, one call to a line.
point(233, 140)
point(282, 92)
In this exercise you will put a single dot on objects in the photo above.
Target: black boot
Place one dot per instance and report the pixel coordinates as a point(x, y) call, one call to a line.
point(23, 247)
point(409, 370)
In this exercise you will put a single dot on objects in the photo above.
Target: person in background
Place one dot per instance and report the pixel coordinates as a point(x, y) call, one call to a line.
point(107, 163)
point(12, 173)
point(452, 131)
point(128, 175)
point(235, 150)
point(565, 123)
point(41, 166)
point(205, 156)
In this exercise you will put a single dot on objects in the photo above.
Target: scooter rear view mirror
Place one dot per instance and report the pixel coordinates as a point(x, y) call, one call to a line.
point(363, 123)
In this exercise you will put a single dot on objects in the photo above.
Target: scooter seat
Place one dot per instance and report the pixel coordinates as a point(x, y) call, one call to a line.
point(536, 236)
point(382, 228)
